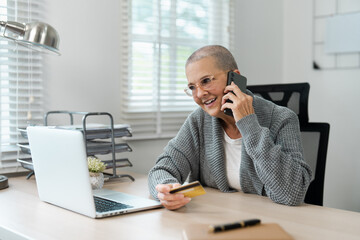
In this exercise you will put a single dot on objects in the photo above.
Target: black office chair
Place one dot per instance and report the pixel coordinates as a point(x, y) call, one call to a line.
point(315, 136)
point(293, 95)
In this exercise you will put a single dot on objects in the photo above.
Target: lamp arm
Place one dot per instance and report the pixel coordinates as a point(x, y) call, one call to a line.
point(14, 27)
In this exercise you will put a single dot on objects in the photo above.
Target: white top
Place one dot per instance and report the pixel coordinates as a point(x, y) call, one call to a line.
point(232, 160)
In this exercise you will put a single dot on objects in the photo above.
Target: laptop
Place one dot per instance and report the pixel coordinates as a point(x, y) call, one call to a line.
point(62, 177)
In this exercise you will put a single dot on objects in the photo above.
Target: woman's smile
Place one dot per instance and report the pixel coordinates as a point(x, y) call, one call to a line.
point(210, 102)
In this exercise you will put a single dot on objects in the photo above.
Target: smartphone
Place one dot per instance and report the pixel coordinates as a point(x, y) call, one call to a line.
point(240, 81)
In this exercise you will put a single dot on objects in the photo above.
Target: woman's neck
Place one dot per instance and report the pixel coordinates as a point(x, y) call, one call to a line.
point(230, 128)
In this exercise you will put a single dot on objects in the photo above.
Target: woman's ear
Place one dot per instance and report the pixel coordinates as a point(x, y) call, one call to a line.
point(237, 71)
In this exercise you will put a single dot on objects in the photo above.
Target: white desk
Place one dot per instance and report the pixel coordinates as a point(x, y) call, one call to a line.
point(23, 215)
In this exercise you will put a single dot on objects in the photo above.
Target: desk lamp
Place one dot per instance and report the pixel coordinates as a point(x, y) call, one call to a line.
point(38, 36)
point(35, 35)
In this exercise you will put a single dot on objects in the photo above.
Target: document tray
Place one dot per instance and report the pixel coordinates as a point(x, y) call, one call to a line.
point(98, 147)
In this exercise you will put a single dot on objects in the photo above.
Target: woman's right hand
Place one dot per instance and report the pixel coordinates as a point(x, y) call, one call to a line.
point(169, 200)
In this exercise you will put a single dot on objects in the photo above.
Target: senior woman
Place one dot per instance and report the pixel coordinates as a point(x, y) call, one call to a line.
point(257, 150)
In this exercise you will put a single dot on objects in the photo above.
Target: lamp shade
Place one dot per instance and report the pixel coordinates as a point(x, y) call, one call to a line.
point(35, 35)
point(41, 36)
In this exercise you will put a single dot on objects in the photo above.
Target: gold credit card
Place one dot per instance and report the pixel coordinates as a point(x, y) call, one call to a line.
point(190, 190)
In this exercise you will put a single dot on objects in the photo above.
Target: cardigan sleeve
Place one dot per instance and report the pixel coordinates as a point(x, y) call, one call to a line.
point(178, 159)
point(277, 155)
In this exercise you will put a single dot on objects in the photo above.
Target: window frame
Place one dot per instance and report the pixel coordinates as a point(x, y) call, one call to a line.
point(159, 123)
point(21, 84)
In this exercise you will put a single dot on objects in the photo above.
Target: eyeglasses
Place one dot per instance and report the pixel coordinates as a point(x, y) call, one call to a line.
point(205, 84)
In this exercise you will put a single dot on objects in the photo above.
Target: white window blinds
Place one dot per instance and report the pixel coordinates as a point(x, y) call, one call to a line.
point(21, 83)
point(159, 36)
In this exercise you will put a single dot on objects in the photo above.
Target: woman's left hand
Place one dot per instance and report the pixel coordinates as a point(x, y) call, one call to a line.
point(241, 105)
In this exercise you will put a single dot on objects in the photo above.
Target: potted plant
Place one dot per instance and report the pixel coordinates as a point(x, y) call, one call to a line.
point(96, 168)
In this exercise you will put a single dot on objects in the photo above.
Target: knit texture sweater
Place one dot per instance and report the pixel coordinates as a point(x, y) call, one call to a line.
point(272, 159)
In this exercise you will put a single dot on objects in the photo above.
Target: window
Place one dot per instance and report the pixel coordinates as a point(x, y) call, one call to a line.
point(159, 36)
point(21, 83)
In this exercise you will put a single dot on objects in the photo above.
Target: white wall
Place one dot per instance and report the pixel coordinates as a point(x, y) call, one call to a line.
point(259, 40)
point(86, 76)
point(273, 44)
point(334, 98)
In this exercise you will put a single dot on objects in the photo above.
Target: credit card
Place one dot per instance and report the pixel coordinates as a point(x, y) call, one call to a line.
point(190, 190)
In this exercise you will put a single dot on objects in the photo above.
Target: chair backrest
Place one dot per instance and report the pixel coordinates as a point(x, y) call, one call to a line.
point(293, 95)
point(315, 136)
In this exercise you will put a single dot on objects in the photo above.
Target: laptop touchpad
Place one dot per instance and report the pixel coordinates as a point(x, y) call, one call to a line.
point(112, 195)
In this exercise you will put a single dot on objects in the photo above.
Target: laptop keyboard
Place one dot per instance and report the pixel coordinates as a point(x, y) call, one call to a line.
point(104, 205)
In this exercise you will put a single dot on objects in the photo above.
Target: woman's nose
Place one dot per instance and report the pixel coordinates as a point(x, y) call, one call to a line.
point(200, 92)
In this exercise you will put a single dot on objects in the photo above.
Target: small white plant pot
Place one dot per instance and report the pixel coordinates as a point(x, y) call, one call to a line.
point(96, 180)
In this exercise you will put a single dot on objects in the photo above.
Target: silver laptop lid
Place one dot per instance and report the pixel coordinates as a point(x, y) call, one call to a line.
point(62, 176)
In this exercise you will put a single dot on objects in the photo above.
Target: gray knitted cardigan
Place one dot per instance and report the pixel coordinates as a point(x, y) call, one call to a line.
point(272, 162)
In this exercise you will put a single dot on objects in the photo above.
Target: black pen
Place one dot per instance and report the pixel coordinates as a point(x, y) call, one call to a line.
point(229, 226)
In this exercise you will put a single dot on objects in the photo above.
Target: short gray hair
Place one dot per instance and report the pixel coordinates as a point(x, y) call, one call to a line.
point(223, 57)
